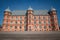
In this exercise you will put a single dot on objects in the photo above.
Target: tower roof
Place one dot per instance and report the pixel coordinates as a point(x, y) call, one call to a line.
point(8, 9)
point(53, 9)
point(30, 8)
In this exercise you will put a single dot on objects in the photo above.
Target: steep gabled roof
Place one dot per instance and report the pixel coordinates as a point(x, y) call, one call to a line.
point(35, 12)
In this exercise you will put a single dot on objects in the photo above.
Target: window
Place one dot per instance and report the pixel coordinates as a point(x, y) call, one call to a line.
point(25, 28)
point(24, 22)
point(6, 27)
point(40, 27)
point(17, 18)
point(34, 22)
point(10, 26)
point(29, 21)
point(44, 22)
point(43, 17)
point(34, 17)
point(11, 22)
point(29, 16)
point(16, 22)
point(20, 22)
point(20, 18)
point(39, 22)
point(49, 27)
point(52, 17)
point(29, 28)
point(20, 27)
point(35, 26)
point(44, 27)
point(15, 27)
point(39, 17)
point(48, 22)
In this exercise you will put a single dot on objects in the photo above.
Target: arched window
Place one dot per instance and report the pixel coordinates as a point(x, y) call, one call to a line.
point(29, 28)
point(44, 27)
point(15, 27)
point(20, 18)
point(24, 28)
point(35, 26)
point(40, 27)
point(20, 27)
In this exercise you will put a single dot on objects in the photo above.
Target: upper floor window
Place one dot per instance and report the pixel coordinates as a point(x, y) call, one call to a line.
point(20, 22)
point(43, 18)
point(35, 26)
point(39, 18)
point(29, 21)
point(34, 22)
point(29, 16)
point(16, 22)
point(24, 22)
point(34, 17)
point(48, 22)
point(44, 22)
point(39, 22)
point(6, 26)
point(40, 27)
point(10, 26)
point(52, 17)
point(49, 26)
point(15, 27)
point(20, 18)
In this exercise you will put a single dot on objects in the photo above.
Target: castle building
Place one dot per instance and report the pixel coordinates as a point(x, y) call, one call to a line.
point(30, 20)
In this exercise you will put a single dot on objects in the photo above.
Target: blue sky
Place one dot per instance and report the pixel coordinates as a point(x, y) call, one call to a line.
point(24, 4)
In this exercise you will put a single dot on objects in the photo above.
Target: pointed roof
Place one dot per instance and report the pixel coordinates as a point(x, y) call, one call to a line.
point(53, 9)
point(8, 9)
point(30, 8)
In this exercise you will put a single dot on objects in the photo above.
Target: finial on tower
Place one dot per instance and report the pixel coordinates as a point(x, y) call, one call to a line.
point(30, 8)
point(8, 9)
point(53, 9)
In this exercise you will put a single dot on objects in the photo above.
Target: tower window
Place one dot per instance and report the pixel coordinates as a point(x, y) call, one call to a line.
point(29, 16)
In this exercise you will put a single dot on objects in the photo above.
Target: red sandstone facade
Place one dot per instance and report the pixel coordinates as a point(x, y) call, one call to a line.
point(30, 22)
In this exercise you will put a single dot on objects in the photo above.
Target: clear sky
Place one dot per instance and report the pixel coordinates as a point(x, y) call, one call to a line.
point(24, 4)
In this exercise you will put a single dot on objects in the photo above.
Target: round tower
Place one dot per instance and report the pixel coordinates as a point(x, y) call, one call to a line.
point(29, 18)
point(30, 10)
point(54, 20)
point(7, 11)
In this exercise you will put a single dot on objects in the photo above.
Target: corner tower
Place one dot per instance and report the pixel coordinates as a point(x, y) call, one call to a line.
point(7, 13)
point(54, 20)
point(29, 19)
